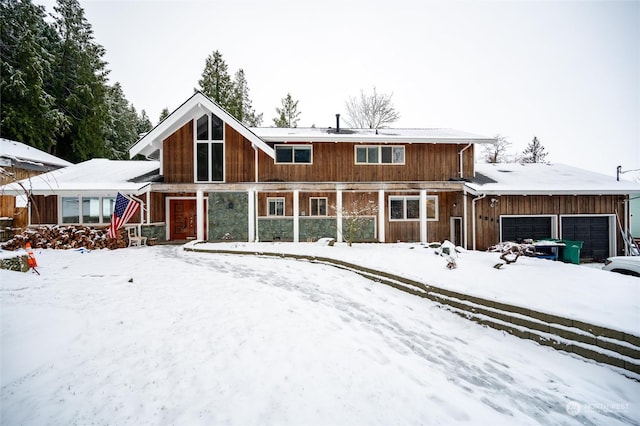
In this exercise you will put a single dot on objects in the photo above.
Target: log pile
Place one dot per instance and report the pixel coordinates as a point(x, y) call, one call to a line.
point(68, 237)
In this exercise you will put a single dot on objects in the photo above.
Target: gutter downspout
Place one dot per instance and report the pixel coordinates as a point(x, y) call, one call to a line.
point(461, 162)
point(473, 218)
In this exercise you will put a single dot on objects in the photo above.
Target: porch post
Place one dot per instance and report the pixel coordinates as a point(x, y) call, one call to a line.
point(423, 215)
point(296, 216)
point(381, 211)
point(251, 214)
point(339, 216)
point(200, 215)
point(465, 220)
point(148, 207)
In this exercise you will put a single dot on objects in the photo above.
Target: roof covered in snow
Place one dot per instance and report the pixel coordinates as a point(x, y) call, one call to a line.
point(545, 179)
point(98, 176)
point(17, 154)
point(313, 134)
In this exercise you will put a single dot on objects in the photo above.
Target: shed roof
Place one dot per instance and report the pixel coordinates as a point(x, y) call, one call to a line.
point(545, 179)
point(13, 153)
point(98, 176)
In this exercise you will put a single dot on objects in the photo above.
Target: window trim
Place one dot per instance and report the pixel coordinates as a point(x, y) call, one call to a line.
point(326, 207)
point(379, 162)
point(80, 199)
point(405, 198)
point(293, 147)
point(209, 143)
point(276, 199)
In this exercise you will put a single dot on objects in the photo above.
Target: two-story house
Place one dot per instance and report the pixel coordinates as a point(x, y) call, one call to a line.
point(209, 177)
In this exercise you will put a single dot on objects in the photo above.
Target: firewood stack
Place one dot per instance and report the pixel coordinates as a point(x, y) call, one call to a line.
point(68, 237)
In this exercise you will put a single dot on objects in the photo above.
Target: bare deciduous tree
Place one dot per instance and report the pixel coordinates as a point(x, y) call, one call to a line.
point(497, 152)
point(370, 111)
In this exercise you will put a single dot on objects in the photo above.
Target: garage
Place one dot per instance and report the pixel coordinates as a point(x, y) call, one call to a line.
point(518, 228)
point(594, 231)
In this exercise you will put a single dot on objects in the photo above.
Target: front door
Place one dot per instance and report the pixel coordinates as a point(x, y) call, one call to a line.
point(183, 219)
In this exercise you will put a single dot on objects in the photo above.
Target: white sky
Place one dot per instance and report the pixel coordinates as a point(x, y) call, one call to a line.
point(567, 72)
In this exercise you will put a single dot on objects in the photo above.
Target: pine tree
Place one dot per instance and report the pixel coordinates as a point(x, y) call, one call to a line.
point(80, 84)
point(29, 112)
point(215, 81)
point(240, 105)
point(534, 152)
point(120, 125)
point(288, 114)
point(143, 124)
point(163, 114)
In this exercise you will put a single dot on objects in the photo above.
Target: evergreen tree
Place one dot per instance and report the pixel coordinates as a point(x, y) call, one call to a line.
point(29, 112)
point(534, 152)
point(143, 124)
point(80, 84)
point(163, 114)
point(120, 124)
point(240, 105)
point(288, 114)
point(215, 81)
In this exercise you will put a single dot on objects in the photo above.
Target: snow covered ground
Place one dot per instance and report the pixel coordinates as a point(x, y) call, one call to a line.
point(157, 335)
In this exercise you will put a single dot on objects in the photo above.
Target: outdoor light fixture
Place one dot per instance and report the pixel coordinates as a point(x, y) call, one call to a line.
point(493, 202)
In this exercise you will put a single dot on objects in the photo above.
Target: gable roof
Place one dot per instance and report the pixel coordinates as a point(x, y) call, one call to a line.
point(98, 176)
point(313, 134)
point(545, 179)
point(151, 143)
point(13, 153)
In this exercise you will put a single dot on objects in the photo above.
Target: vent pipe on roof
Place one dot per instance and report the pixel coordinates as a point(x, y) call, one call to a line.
point(337, 123)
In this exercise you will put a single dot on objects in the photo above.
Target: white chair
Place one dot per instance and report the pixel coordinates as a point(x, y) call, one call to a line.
point(134, 239)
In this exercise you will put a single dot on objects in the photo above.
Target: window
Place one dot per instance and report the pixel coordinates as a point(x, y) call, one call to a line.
point(293, 154)
point(379, 154)
point(87, 210)
point(318, 206)
point(209, 150)
point(275, 206)
point(408, 208)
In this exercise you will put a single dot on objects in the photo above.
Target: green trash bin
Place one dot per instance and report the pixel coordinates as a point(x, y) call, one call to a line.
point(571, 251)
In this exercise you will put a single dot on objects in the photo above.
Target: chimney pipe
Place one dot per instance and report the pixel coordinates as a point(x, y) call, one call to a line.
point(337, 123)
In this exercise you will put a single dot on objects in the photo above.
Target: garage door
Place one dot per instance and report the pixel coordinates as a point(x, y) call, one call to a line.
point(593, 230)
point(525, 227)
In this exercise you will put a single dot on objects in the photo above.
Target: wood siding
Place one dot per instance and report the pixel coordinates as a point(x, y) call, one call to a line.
point(44, 210)
point(239, 157)
point(177, 155)
point(488, 218)
point(335, 162)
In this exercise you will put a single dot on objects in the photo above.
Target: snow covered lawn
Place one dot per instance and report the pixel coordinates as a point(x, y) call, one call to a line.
point(156, 335)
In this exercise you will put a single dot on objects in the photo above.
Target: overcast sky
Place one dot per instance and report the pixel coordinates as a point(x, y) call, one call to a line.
point(567, 72)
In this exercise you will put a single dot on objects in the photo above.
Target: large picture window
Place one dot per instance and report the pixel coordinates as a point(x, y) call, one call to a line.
point(294, 154)
point(87, 210)
point(408, 208)
point(209, 150)
point(379, 154)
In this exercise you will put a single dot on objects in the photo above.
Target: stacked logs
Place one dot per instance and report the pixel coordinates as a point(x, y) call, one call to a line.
point(67, 237)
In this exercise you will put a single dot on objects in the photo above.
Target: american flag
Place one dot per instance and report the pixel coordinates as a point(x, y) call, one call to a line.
point(125, 208)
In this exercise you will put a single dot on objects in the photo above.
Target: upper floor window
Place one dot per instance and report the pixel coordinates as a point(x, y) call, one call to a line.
point(408, 208)
point(209, 152)
point(294, 154)
point(275, 206)
point(379, 154)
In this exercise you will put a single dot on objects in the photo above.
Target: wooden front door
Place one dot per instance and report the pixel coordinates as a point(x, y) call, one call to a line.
point(183, 222)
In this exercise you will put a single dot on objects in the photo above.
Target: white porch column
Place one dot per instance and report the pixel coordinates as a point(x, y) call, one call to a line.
point(465, 220)
point(381, 212)
point(296, 216)
point(148, 207)
point(251, 214)
point(423, 215)
point(339, 216)
point(200, 215)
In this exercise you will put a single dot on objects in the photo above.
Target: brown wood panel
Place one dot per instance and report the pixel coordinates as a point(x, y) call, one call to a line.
point(177, 152)
point(335, 162)
point(262, 202)
point(44, 209)
point(239, 157)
